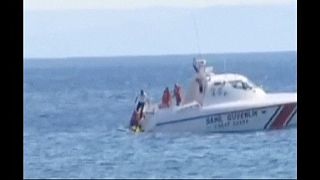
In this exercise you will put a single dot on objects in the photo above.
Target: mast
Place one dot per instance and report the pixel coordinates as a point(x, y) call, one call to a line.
point(197, 35)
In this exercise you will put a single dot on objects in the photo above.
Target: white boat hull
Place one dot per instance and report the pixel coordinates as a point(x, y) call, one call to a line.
point(229, 117)
point(272, 117)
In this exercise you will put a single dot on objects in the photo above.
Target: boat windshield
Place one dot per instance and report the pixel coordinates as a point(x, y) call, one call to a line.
point(239, 84)
point(251, 84)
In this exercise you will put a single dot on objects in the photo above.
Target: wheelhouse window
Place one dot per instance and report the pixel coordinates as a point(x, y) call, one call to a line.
point(217, 88)
point(238, 84)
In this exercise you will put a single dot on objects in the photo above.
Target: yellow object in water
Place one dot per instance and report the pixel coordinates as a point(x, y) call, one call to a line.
point(136, 129)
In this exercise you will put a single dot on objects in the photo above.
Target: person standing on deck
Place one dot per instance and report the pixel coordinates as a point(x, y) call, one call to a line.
point(166, 98)
point(177, 93)
point(142, 99)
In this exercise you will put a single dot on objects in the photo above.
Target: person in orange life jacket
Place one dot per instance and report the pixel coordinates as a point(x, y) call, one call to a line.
point(177, 93)
point(142, 99)
point(166, 98)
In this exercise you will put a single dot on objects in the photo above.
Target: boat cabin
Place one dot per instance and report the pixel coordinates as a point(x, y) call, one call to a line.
point(208, 88)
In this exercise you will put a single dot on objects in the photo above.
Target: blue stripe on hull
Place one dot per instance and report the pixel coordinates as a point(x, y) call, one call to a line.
point(265, 127)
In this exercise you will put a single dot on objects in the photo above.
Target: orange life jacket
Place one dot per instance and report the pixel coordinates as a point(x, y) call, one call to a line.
point(166, 98)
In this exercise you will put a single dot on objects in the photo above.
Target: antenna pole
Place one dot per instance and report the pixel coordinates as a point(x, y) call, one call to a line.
point(197, 34)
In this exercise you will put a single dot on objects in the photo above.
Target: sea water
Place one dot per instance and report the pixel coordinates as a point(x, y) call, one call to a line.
point(74, 108)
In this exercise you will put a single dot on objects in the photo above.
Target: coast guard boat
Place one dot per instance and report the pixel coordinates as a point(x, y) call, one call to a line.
point(221, 103)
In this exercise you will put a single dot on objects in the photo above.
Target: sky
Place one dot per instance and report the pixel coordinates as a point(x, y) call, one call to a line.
point(77, 28)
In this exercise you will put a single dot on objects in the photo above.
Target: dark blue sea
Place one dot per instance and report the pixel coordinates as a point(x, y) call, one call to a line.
point(74, 108)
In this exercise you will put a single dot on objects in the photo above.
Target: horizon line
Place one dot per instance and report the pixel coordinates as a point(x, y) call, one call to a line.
point(141, 4)
point(159, 55)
